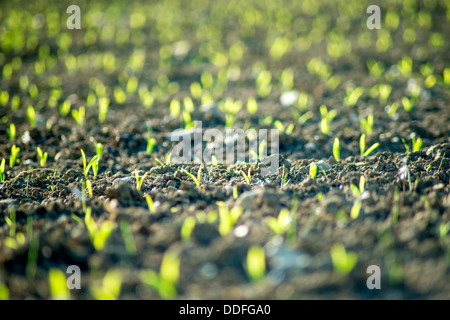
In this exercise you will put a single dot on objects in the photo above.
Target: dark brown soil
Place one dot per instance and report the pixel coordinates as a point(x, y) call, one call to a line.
point(412, 251)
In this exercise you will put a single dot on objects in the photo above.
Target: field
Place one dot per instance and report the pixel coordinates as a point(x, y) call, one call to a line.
point(88, 177)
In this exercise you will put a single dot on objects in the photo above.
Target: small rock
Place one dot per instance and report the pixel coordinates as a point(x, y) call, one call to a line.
point(119, 180)
point(322, 165)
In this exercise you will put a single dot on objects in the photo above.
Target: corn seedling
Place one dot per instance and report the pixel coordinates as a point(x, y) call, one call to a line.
point(64, 108)
point(89, 188)
point(103, 104)
point(305, 117)
point(86, 166)
point(312, 170)
point(327, 116)
point(150, 141)
point(227, 217)
point(392, 109)
point(150, 204)
point(252, 105)
point(444, 228)
point(127, 236)
point(110, 287)
point(235, 192)
point(2, 170)
point(284, 177)
point(165, 282)
point(4, 292)
point(359, 190)
point(12, 132)
point(187, 228)
point(407, 104)
point(31, 114)
point(336, 149)
point(139, 180)
point(362, 146)
point(385, 91)
point(416, 144)
point(99, 234)
point(343, 261)
point(367, 124)
point(42, 156)
point(14, 153)
point(247, 177)
point(256, 263)
point(353, 96)
point(396, 207)
point(214, 160)
point(281, 224)
point(79, 115)
point(57, 285)
point(199, 175)
point(356, 208)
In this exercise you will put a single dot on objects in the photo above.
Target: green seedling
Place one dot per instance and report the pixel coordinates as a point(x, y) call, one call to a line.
point(159, 162)
point(312, 170)
point(343, 261)
point(305, 117)
point(127, 236)
point(103, 104)
point(2, 170)
point(356, 209)
point(235, 192)
point(42, 156)
point(4, 292)
point(57, 285)
point(87, 167)
point(187, 228)
point(150, 141)
point(256, 263)
point(327, 116)
point(385, 91)
point(396, 207)
point(392, 109)
point(11, 222)
point(99, 149)
point(407, 104)
point(31, 114)
point(416, 144)
point(99, 235)
point(227, 217)
point(252, 105)
point(444, 228)
point(362, 146)
point(199, 176)
point(359, 190)
point(12, 132)
point(139, 180)
point(247, 177)
point(261, 149)
point(150, 204)
point(64, 108)
point(214, 160)
point(110, 287)
point(353, 96)
point(79, 115)
point(89, 188)
point(166, 281)
point(14, 153)
point(336, 149)
point(284, 177)
point(281, 224)
point(367, 124)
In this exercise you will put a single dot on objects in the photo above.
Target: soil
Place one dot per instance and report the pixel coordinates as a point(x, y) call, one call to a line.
point(400, 227)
